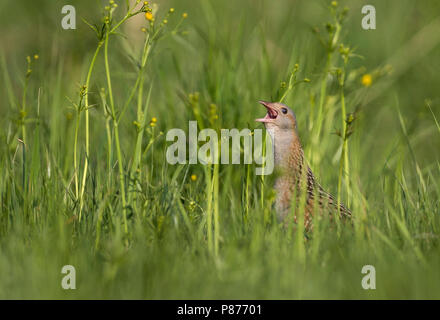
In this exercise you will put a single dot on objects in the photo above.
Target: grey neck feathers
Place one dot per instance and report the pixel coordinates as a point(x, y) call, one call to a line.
point(288, 153)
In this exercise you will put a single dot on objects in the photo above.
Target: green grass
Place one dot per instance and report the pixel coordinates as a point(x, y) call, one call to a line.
point(102, 197)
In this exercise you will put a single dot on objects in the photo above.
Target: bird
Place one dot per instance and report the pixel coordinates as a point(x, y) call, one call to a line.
point(295, 176)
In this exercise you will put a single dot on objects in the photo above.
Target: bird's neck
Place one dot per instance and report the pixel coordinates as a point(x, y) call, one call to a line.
point(288, 153)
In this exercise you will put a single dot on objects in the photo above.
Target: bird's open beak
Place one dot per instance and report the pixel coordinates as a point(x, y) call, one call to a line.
point(271, 112)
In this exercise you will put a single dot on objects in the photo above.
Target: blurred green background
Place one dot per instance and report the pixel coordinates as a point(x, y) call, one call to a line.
point(233, 53)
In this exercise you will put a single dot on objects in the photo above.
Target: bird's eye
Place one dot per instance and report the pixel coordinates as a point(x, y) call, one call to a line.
point(284, 110)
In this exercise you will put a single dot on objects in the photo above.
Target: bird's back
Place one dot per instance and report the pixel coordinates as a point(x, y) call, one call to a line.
point(316, 195)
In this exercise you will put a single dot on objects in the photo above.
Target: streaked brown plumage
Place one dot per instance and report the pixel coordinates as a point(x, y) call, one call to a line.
point(280, 121)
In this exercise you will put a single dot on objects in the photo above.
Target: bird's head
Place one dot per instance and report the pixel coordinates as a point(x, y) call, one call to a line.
point(279, 116)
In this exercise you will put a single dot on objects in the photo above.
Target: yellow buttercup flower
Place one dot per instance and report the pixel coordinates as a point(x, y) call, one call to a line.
point(366, 80)
point(36, 56)
point(153, 119)
point(193, 177)
point(149, 16)
point(185, 15)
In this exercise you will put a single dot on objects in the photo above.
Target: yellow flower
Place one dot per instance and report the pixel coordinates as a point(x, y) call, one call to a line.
point(185, 15)
point(154, 119)
point(149, 16)
point(145, 3)
point(143, 29)
point(165, 21)
point(366, 80)
point(36, 56)
point(193, 177)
